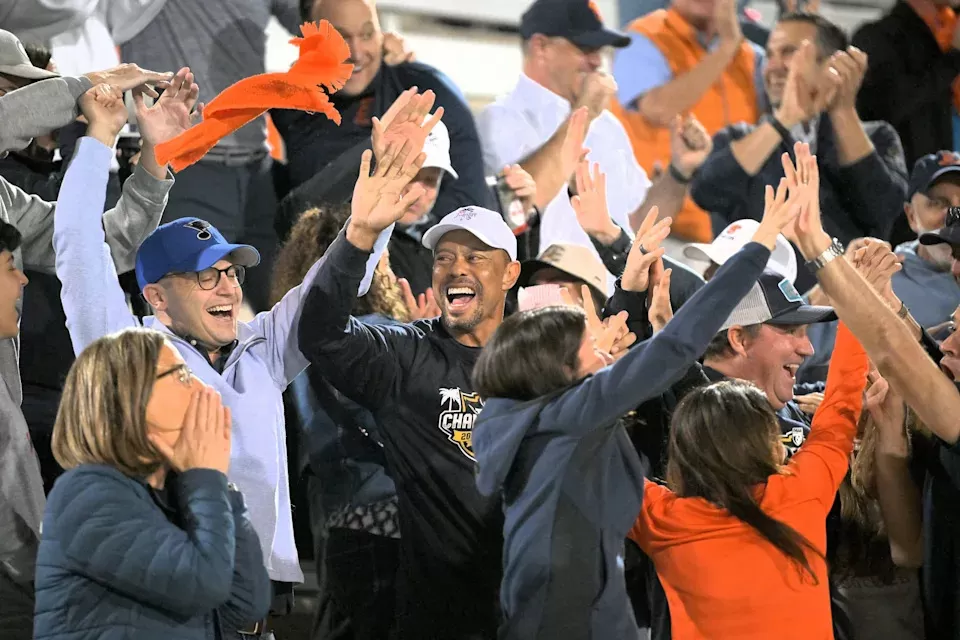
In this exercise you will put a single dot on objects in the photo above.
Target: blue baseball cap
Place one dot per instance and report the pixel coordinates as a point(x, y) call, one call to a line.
point(187, 245)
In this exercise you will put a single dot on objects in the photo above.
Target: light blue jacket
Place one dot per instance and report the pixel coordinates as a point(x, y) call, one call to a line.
point(266, 359)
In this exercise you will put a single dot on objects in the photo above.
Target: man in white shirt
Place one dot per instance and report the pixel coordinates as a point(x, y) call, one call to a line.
point(563, 43)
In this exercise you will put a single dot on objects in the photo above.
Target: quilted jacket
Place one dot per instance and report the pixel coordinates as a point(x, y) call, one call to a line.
point(119, 559)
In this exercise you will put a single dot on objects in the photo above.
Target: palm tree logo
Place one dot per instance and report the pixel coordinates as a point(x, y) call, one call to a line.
point(451, 397)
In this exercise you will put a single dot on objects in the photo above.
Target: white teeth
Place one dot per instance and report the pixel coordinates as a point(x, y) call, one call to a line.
point(223, 307)
point(453, 291)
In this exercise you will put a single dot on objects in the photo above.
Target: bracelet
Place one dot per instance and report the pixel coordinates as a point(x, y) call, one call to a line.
point(904, 312)
point(676, 175)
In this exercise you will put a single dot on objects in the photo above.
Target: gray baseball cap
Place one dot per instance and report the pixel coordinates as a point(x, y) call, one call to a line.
point(15, 62)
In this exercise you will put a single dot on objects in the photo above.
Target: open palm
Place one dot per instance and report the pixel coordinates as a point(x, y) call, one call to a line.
point(377, 201)
point(170, 115)
point(405, 120)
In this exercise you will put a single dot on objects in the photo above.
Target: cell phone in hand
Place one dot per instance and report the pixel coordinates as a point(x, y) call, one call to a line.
point(511, 207)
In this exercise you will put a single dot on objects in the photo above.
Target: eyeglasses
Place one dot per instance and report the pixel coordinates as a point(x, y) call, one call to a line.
point(208, 279)
point(183, 373)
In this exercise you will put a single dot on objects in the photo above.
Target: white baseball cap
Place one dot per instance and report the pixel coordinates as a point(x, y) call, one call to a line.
point(437, 148)
point(15, 62)
point(737, 234)
point(488, 226)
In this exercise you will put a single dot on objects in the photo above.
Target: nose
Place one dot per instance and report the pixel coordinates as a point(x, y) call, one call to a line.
point(24, 281)
point(224, 286)
point(805, 347)
point(594, 60)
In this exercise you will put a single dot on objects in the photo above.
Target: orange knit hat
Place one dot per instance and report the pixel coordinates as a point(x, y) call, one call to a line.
point(320, 66)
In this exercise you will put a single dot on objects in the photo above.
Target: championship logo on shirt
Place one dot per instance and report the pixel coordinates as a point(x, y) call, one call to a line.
point(458, 412)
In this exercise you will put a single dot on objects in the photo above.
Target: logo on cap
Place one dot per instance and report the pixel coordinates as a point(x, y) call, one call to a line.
point(201, 228)
point(467, 213)
point(553, 254)
point(789, 291)
point(596, 10)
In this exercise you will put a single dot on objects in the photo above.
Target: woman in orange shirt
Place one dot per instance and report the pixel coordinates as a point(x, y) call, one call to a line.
point(739, 542)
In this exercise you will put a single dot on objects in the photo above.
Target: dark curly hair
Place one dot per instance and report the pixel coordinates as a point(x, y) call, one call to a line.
point(314, 232)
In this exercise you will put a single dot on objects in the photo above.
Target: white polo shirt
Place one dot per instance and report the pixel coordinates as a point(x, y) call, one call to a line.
point(523, 120)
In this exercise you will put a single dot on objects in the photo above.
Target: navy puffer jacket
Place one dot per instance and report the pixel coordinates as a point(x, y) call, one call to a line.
point(119, 559)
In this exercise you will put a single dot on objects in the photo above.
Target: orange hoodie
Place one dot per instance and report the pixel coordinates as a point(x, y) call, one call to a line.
point(721, 578)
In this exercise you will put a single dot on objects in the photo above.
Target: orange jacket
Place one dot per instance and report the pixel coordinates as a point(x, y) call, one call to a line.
point(721, 578)
point(732, 99)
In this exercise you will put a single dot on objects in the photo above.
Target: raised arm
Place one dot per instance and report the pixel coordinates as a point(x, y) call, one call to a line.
point(891, 345)
point(651, 367)
point(93, 301)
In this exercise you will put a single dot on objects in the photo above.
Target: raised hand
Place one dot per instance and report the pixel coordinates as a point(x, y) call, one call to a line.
point(522, 184)
point(105, 112)
point(171, 114)
point(806, 230)
point(690, 144)
point(422, 307)
point(876, 262)
point(204, 442)
point(590, 204)
point(645, 252)
point(624, 338)
point(395, 50)
point(597, 90)
point(727, 19)
point(377, 201)
point(888, 411)
point(572, 152)
point(661, 309)
point(809, 90)
point(128, 76)
point(850, 66)
point(405, 121)
point(779, 212)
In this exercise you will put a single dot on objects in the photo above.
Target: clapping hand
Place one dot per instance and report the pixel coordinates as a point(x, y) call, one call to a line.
point(405, 121)
point(810, 88)
point(522, 184)
point(690, 144)
point(590, 204)
point(645, 252)
point(395, 50)
point(850, 66)
point(661, 309)
point(105, 112)
point(172, 113)
point(377, 201)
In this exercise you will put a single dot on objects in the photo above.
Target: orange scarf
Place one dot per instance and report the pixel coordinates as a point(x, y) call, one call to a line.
point(320, 66)
point(942, 21)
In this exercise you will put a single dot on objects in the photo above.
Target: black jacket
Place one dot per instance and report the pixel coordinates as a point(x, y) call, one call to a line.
point(860, 200)
point(908, 81)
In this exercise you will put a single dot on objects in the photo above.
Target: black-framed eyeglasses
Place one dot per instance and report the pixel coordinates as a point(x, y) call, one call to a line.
point(181, 371)
point(209, 278)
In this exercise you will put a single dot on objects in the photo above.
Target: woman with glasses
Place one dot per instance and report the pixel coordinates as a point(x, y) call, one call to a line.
point(142, 536)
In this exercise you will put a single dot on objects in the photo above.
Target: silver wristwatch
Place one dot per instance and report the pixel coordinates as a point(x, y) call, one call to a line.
point(835, 250)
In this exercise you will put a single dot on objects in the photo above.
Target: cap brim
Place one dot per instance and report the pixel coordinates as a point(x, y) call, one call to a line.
point(805, 314)
point(946, 235)
point(529, 267)
point(241, 254)
point(439, 165)
point(704, 252)
point(27, 72)
point(939, 173)
point(434, 233)
point(600, 38)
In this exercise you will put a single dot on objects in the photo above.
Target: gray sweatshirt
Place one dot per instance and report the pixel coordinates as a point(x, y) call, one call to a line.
point(26, 113)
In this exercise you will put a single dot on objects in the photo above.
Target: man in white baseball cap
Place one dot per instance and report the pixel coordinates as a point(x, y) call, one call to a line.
point(16, 70)
point(783, 260)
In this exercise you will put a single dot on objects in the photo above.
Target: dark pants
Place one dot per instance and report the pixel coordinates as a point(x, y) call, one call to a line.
point(239, 201)
point(356, 572)
point(16, 609)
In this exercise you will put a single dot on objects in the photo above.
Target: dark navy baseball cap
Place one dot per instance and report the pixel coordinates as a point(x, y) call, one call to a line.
point(187, 245)
point(930, 168)
point(948, 234)
point(774, 300)
point(578, 21)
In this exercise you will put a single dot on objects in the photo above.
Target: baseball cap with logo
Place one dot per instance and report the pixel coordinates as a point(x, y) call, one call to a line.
point(488, 227)
point(187, 245)
point(578, 21)
point(573, 259)
point(930, 168)
point(774, 300)
point(437, 148)
point(15, 62)
point(783, 260)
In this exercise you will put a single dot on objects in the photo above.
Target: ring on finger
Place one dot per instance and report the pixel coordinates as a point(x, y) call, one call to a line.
point(643, 251)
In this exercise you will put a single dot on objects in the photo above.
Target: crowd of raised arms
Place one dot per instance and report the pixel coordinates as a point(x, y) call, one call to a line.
point(659, 344)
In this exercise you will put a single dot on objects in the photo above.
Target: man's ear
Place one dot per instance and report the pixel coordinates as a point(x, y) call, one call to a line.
point(738, 339)
point(911, 216)
point(510, 275)
point(155, 296)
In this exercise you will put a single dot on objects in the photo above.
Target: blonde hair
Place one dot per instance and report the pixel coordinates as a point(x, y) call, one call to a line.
point(102, 415)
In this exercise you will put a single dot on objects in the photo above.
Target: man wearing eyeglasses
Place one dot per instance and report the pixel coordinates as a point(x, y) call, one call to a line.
point(191, 277)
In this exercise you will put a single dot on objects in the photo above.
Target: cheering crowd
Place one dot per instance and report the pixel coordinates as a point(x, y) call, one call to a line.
point(663, 353)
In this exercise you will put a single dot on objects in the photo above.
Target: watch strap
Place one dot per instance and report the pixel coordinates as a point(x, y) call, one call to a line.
point(834, 251)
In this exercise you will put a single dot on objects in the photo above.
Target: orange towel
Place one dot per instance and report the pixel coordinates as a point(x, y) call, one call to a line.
point(321, 65)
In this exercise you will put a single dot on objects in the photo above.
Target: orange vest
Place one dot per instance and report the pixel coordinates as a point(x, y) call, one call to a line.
point(732, 99)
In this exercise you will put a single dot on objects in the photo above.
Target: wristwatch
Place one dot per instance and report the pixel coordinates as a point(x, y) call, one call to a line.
point(835, 250)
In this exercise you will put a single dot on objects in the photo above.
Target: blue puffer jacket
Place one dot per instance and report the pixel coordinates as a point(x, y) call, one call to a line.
point(120, 560)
